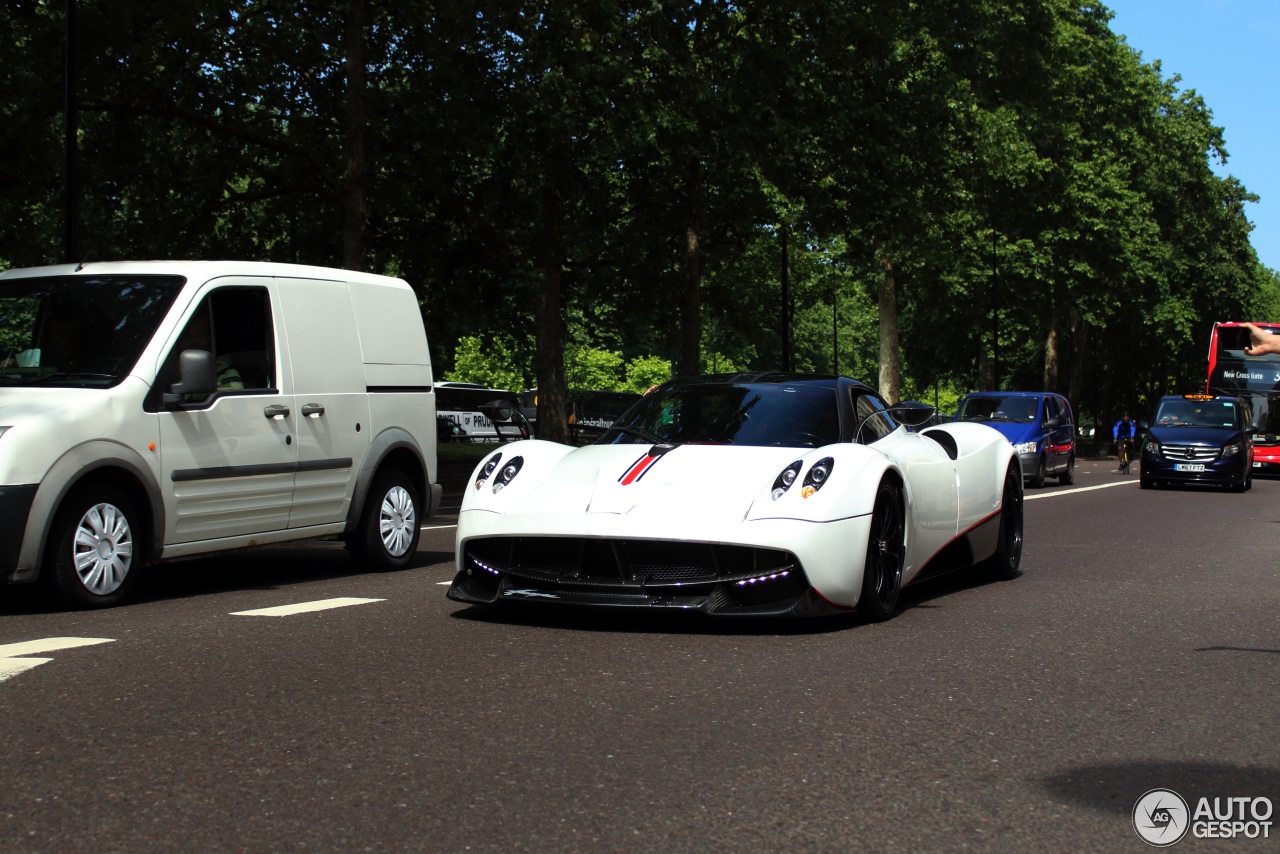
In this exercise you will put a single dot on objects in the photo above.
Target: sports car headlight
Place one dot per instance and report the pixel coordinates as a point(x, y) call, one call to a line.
point(488, 469)
point(507, 474)
point(1025, 448)
point(819, 474)
point(784, 480)
point(1231, 450)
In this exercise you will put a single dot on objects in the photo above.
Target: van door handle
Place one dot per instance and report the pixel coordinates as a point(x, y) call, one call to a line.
point(312, 409)
point(276, 410)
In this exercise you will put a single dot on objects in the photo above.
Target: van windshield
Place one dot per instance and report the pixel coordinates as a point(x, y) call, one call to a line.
point(79, 331)
point(1020, 410)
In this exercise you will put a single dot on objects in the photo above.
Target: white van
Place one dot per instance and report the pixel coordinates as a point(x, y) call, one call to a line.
point(155, 410)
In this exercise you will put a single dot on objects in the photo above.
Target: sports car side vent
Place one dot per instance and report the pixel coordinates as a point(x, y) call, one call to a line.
point(945, 439)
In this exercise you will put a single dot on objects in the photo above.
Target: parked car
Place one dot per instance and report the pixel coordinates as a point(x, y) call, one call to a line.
point(1201, 439)
point(156, 410)
point(461, 403)
point(1037, 423)
point(752, 494)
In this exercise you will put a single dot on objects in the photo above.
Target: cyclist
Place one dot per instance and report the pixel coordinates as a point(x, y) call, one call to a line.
point(1124, 432)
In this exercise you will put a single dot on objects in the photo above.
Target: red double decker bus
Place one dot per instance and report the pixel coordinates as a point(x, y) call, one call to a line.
point(1255, 378)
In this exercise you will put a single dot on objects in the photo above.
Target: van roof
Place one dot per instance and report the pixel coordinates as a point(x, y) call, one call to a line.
point(201, 270)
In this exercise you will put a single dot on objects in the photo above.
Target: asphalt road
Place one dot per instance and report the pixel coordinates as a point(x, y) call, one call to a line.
point(1139, 650)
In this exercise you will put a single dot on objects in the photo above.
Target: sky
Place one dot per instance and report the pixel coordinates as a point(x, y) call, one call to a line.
point(1228, 51)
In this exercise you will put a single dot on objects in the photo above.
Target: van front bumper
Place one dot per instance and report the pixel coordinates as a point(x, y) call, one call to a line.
point(15, 507)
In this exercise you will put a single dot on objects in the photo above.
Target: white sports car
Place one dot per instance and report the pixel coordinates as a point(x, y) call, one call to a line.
point(752, 494)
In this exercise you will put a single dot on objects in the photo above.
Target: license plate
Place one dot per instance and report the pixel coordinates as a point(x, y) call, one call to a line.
point(1188, 466)
point(1257, 465)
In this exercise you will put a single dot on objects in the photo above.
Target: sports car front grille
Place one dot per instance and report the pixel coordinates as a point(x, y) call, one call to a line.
point(1196, 453)
point(623, 563)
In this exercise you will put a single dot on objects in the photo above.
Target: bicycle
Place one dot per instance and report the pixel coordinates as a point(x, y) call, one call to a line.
point(1124, 448)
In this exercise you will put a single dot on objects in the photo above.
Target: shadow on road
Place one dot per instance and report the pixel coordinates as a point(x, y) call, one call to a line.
point(1115, 788)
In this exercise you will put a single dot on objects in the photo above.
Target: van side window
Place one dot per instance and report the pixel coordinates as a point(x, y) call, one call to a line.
point(874, 428)
point(1050, 408)
point(234, 324)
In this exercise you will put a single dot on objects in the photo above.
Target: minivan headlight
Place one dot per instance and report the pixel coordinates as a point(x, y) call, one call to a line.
point(1231, 450)
point(1025, 448)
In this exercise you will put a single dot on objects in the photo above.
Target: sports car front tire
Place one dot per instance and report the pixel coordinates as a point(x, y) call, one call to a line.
point(886, 553)
point(1008, 555)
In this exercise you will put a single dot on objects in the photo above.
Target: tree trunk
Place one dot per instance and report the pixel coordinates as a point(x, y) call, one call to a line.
point(553, 395)
point(355, 173)
point(890, 361)
point(1052, 371)
point(690, 278)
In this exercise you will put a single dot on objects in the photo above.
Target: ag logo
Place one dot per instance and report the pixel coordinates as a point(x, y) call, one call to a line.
point(1161, 817)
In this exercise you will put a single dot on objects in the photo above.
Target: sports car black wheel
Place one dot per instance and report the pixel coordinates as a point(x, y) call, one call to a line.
point(1008, 555)
point(886, 552)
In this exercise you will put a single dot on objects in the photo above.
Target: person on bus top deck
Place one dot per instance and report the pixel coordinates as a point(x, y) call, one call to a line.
point(1260, 343)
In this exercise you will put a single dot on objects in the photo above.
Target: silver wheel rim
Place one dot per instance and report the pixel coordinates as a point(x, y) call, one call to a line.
point(103, 549)
point(396, 521)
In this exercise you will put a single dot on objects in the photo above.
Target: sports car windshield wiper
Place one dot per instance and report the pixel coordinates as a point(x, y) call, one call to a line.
point(634, 431)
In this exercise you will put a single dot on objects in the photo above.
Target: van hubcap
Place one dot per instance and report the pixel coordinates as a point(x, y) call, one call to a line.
point(396, 521)
point(103, 549)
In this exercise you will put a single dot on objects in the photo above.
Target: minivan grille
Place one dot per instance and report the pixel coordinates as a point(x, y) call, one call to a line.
point(1198, 453)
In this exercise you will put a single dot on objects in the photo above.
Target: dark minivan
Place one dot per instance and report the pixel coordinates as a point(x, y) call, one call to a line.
point(1199, 438)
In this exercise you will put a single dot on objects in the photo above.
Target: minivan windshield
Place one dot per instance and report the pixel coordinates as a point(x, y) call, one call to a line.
point(1189, 412)
point(1021, 410)
point(79, 331)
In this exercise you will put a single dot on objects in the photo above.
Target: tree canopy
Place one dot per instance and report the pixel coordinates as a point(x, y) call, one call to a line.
point(934, 196)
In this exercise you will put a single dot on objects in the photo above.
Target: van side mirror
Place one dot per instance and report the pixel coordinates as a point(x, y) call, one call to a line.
point(196, 377)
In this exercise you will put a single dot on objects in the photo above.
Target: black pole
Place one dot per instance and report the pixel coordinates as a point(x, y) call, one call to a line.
point(71, 131)
point(786, 303)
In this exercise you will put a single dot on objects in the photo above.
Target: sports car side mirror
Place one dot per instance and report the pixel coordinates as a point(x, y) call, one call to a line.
point(912, 413)
point(500, 412)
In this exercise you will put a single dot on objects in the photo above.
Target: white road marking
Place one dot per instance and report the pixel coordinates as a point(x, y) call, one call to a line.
point(1079, 489)
point(436, 527)
point(10, 666)
point(443, 583)
point(303, 607)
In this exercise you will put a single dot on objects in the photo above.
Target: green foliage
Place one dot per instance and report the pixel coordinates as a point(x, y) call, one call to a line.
point(581, 194)
point(644, 372)
point(490, 361)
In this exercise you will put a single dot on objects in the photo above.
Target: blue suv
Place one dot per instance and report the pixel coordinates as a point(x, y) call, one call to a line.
point(1037, 423)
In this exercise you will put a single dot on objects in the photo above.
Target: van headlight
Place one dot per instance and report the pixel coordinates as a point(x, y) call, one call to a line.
point(1231, 450)
point(1025, 448)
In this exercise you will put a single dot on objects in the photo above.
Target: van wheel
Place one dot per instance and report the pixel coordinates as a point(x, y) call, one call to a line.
point(90, 560)
point(1068, 477)
point(388, 533)
point(1037, 480)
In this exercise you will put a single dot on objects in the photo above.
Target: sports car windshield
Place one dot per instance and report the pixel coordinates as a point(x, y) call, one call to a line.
point(1020, 410)
point(1198, 413)
point(79, 331)
point(788, 415)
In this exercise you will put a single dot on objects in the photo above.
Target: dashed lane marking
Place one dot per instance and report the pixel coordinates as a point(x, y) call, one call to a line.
point(304, 607)
point(11, 666)
point(1079, 489)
